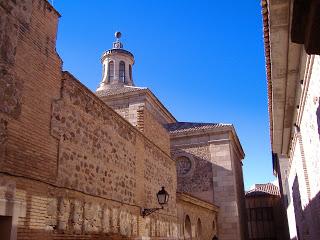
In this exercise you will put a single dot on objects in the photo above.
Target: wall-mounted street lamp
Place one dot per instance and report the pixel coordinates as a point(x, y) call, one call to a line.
point(163, 198)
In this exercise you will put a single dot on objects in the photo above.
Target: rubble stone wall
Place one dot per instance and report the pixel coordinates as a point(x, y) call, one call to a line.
point(194, 170)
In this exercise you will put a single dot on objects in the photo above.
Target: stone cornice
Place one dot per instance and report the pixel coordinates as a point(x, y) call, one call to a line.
point(282, 68)
point(196, 201)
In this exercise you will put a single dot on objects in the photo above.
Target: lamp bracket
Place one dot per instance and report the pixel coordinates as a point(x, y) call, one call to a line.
point(147, 211)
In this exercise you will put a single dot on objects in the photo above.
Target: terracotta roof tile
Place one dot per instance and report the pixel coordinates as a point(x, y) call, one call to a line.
point(262, 189)
point(266, 37)
point(115, 91)
point(180, 127)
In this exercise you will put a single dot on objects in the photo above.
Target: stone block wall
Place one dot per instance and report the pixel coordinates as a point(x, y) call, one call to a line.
point(209, 168)
point(127, 106)
point(240, 192)
point(225, 191)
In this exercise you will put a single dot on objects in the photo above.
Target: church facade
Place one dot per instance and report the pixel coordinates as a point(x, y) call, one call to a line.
point(81, 165)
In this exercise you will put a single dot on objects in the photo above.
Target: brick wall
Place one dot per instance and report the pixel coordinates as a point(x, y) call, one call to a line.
point(153, 130)
point(303, 179)
point(31, 79)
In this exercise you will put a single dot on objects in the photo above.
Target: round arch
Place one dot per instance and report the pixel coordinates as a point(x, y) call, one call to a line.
point(199, 229)
point(187, 228)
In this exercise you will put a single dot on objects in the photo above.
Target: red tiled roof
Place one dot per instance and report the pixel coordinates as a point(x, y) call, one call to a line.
point(115, 91)
point(266, 37)
point(262, 189)
point(180, 127)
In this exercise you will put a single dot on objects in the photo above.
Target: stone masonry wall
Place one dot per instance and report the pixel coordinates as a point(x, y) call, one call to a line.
point(153, 130)
point(237, 166)
point(225, 191)
point(310, 128)
point(103, 155)
point(126, 106)
point(210, 169)
point(81, 170)
point(196, 212)
point(194, 170)
point(305, 165)
point(58, 213)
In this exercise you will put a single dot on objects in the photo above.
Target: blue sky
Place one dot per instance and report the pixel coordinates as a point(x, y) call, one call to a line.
point(203, 59)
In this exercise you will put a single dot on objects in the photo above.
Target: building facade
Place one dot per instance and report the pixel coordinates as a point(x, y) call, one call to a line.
point(266, 215)
point(292, 37)
point(81, 165)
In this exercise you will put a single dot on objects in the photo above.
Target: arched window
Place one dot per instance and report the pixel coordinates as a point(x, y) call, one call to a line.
point(187, 228)
point(130, 72)
point(110, 71)
point(199, 229)
point(122, 71)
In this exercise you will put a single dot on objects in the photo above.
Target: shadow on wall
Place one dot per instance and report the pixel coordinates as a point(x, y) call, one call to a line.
point(194, 175)
point(308, 217)
point(318, 118)
point(199, 176)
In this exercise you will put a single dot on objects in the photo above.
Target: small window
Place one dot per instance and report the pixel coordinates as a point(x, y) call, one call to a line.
point(130, 72)
point(110, 71)
point(122, 71)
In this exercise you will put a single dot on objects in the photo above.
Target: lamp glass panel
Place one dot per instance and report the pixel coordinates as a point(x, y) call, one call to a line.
point(161, 198)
